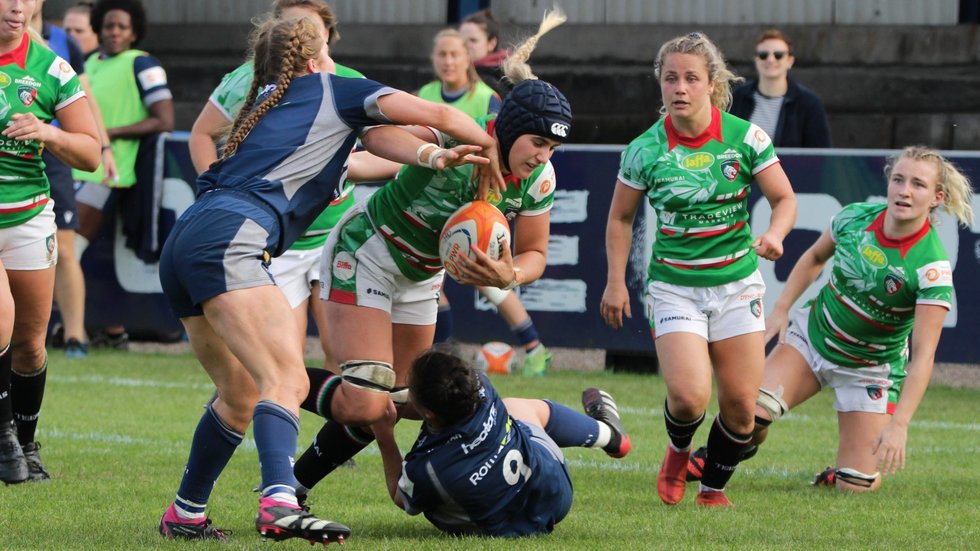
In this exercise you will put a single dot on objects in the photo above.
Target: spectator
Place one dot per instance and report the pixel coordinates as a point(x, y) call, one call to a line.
point(482, 35)
point(78, 24)
point(131, 89)
point(456, 80)
point(789, 112)
point(69, 283)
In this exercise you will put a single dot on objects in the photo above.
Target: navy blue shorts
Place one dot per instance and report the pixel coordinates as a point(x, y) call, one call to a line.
point(62, 191)
point(219, 244)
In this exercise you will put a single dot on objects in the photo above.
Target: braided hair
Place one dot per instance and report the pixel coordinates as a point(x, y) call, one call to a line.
point(281, 49)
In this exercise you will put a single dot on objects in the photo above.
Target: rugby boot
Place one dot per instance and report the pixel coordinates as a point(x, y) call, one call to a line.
point(713, 498)
point(671, 478)
point(826, 478)
point(35, 468)
point(277, 520)
point(600, 406)
point(174, 527)
point(13, 464)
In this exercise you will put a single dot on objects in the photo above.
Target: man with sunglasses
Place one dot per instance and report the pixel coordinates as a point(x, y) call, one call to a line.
point(791, 114)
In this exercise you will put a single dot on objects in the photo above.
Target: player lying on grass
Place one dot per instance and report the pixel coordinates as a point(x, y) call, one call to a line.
point(890, 278)
point(486, 465)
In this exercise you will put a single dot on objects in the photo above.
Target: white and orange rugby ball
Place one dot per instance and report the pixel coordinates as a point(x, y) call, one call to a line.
point(477, 223)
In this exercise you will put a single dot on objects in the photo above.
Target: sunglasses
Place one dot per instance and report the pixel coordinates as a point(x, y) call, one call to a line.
point(765, 55)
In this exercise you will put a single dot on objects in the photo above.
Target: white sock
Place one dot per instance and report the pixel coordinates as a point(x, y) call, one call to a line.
point(605, 434)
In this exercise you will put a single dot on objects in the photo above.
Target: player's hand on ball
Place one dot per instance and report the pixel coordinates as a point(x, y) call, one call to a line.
point(484, 271)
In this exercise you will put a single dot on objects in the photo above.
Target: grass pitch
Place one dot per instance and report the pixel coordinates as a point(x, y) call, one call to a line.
point(115, 430)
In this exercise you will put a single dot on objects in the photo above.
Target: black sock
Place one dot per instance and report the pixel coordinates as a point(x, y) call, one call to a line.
point(27, 392)
point(725, 450)
point(323, 384)
point(331, 448)
point(6, 411)
point(681, 432)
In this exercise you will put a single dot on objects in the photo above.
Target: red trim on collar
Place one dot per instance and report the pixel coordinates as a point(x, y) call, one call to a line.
point(713, 131)
point(905, 243)
point(18, 55)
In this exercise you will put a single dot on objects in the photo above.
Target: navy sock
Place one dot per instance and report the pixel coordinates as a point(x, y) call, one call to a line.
point(444, 324)
point(570, 428)
point(526, 332)
point(6, 413)
point(26, 394)
point(725, 449)
point(681, 432)
point(212, 447)
point(331, 448)
point(275, 430)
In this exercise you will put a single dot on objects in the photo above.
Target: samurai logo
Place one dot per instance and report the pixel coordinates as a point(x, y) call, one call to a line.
point(875, 392)
point(730, 168)
point(756, 307)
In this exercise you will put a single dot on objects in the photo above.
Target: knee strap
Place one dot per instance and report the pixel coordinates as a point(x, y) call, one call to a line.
point(857, 478)
point(774, 405)
point(368, 375)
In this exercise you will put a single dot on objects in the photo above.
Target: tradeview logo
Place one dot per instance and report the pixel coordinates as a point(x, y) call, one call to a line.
point(560, 129)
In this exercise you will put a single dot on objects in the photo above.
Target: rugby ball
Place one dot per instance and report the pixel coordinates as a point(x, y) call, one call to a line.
point(477, 223)
point(495, 357)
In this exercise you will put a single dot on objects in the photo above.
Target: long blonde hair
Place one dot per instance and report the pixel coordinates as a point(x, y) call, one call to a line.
point(958, 193)
point(472, 78)
point(281, 49)
point(515, 67)
point(697, 43)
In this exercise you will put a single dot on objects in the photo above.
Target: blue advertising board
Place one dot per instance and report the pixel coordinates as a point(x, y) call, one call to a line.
point(565, 301)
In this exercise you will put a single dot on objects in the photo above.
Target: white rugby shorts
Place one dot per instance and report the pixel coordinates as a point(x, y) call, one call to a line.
point(32, 245)
point(715, 313)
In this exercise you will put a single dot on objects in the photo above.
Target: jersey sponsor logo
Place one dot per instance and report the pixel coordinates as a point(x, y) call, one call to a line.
point(875, 392)
point(756, 308)
point(761, 136)
point(935, 274)
point(874, 256)
point(28, 81)
point(559, 129)
point(26, 95)
point(4, 80)
point(665, 319)
point(343, 266)
point(378, 292)
point(730, 169)
point(545, 187)
point(698, 161)
point(893, 284)
point(487, 427)
point(61, 70)
point(152, 77)
point(730, 154)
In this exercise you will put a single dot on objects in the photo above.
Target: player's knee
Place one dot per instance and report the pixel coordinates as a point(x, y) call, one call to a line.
point(856, 481)
point(688, 403)
point(772, 406)
point(366, 397)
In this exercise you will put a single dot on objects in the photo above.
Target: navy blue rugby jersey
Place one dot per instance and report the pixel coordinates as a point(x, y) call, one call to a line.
point(295, 158)
point(484, 476)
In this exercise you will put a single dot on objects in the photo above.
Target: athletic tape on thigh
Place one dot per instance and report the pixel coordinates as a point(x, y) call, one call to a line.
point(368, 375)
point(857, 478)
point(774, 405)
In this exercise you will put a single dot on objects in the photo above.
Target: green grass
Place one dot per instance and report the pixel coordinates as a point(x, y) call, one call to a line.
point(116, 427)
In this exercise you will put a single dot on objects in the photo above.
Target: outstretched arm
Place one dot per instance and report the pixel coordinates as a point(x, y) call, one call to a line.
point(890, 444)
point(404, 108)
point(391, 456)
point(806, 270)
